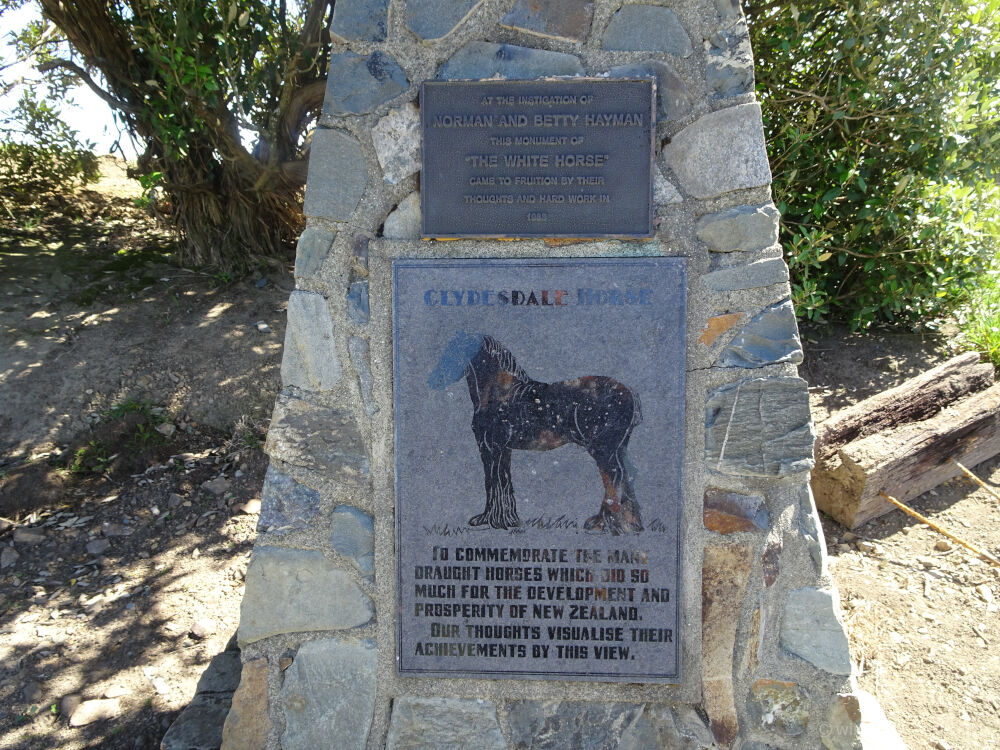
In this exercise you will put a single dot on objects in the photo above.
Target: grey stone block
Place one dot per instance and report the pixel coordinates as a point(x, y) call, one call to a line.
point(310, 360)
point(444, 724)
point(759, 427)
point(358, 306)
point(338, 174)
point(396, 138)
point(488, 60)
point(812, 530)
point(323, 439)
point(729, 76)
point(729, 8)
point(353, 535)
point(199, 727)
point(433, 19)
point(361, 359)
point(664, 192)
point(328, 697)
point(295, 591)
point(285, 505)
point(647, 28)
point(568, 20)
point(360, 20)
point(404, 221)
point(314, 245)
point(553, 725)
point(357, 84)
point(740, 229)
point(811, 629)
point(760, 273)
point(673, 99)
point(771, 336)
point(720, 152)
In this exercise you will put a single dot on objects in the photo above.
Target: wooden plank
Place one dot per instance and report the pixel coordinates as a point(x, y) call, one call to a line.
point(917, 399)
point(907, 461)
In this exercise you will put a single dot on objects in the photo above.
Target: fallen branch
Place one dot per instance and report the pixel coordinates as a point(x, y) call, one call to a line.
point(976, 479)
point(923, 519)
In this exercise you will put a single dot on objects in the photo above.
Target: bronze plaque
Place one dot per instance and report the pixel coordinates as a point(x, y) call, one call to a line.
point(549, 158)
point(539, 422)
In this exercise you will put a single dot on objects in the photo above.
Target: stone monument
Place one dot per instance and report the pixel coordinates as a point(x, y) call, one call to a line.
point(549, 220)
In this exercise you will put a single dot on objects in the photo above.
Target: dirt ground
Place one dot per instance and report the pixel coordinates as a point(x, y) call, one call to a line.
point(134, 397)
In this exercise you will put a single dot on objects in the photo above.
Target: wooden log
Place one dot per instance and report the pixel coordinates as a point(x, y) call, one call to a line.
point(907, 461)
point(918, 398)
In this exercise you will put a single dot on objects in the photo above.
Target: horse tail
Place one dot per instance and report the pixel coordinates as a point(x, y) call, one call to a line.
point(636, 409)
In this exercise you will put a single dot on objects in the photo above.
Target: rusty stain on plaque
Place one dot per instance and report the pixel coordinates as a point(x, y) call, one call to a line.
point(547, 158)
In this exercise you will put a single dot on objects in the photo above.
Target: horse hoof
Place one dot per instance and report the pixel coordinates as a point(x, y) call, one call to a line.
point(479, 520)
point(594, 523)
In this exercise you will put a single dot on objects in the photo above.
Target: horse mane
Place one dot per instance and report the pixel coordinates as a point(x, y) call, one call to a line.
point(503, 358)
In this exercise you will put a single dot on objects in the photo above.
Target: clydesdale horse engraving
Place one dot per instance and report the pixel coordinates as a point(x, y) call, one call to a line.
point(512, 411)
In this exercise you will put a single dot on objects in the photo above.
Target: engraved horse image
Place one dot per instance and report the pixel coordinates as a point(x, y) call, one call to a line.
point(512, 411)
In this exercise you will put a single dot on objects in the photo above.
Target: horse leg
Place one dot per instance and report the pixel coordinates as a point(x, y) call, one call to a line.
point(501, 507)
point(619, 512)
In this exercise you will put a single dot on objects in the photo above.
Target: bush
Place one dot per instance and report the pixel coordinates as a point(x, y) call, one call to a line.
point(53, 159)
point(883, 127)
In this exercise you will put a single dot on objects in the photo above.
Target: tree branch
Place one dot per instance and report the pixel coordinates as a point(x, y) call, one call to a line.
point(85, 77)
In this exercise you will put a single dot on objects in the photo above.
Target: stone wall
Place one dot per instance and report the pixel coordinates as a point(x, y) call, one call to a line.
point(766, 661)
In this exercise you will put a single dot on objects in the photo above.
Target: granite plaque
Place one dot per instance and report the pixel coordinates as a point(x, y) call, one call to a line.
point(538, 442)
point(551, 158)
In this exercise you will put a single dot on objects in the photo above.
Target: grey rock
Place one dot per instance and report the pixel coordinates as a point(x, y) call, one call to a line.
point(664, 192)
point(771, 336)
point(9, 556)
point(720, 152)
point(552, 725)
point(222, 674)
point(811, 629)
point(320, 438)
point(329, 692)
point(352, 534)
point(28, 536)
point(199, 727)
point(647, 28)
point(740, 229)
point(310, 360)
point(729, 76)
point(204, 628)
point(98, 547)
point(358, 84)
point(444, 724)
point(217, 487)
point(759, 427)
point(759, 273)
point(727, 512)
point(673, 99)
point(68, 704)
point(338, 174)
point(568, 20)
point(361, 359)
point(295, 591)
point(360, 20)
point(404, 223)
point(488, 60)
point(729, 8)
point(396, 138)
point(433, 19)
point(811, 529)
point(285, 505)
point(98, 710)
point(314, 245)
point(358, 309)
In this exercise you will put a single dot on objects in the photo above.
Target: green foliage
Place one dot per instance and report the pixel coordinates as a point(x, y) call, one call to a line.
point(979, 321)
point(883, 124)
point(46, 155)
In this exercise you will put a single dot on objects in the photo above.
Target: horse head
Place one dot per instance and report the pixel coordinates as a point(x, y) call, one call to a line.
point(455, 359)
